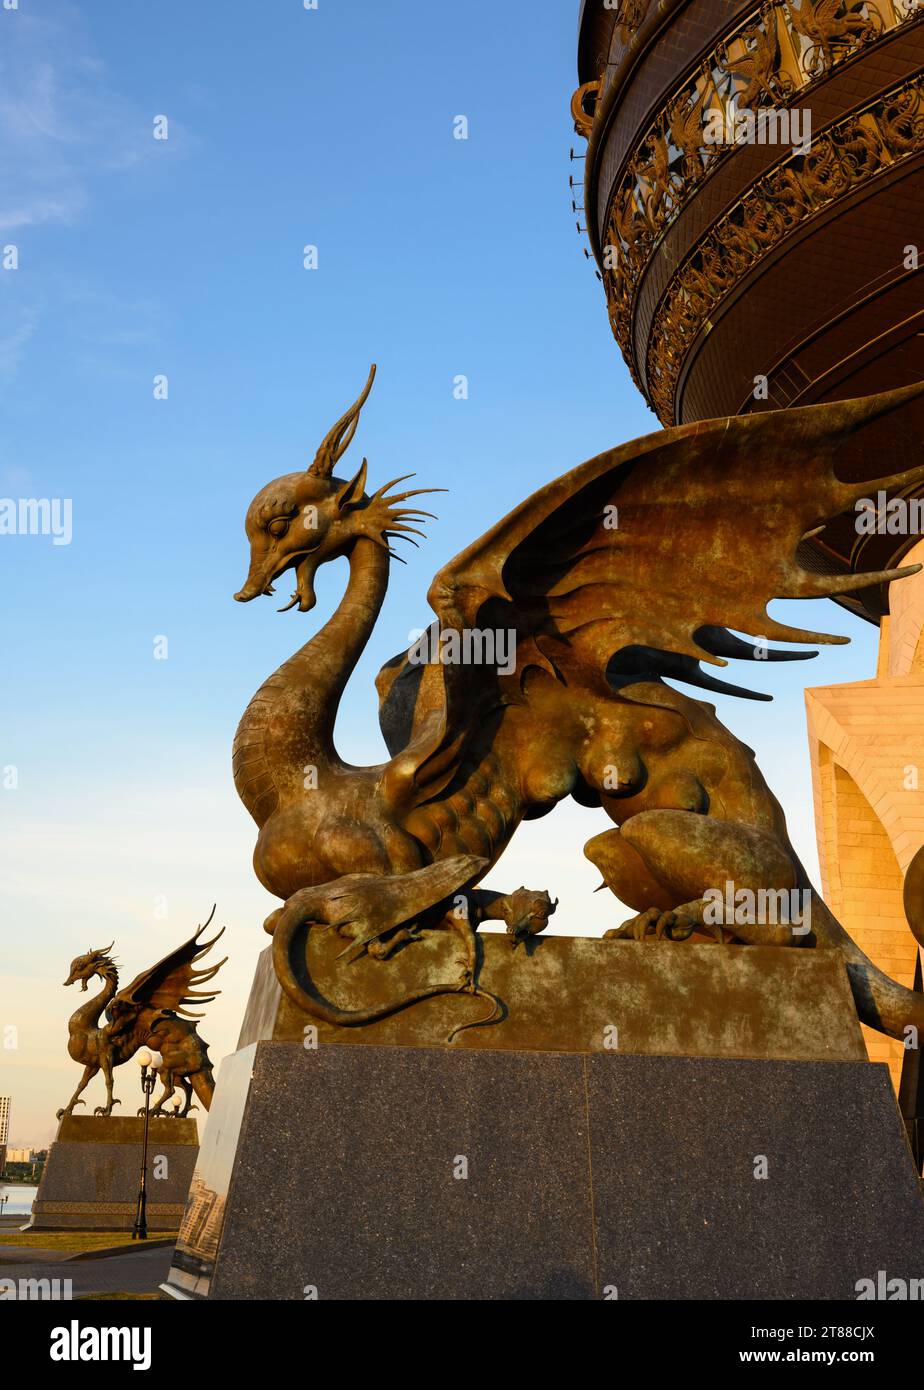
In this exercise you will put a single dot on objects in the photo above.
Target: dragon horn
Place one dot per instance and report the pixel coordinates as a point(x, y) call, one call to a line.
point(338, 439)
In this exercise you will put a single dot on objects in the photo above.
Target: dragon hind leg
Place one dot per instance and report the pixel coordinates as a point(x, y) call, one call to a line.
point(663, 863)
point(165, 1077)
point(684, 855)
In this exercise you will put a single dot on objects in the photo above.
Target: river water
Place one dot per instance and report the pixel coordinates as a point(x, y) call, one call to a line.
point(20, 1197)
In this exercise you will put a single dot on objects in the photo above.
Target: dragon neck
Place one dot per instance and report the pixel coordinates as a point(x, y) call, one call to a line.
point(289, 723)
point(88, 1013)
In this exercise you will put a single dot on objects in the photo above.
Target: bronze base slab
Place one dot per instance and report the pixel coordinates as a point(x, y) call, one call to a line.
point(569, 994)
point(91, 1179)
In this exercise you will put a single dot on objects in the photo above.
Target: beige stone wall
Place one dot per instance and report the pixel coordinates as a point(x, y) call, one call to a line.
point(866, 742)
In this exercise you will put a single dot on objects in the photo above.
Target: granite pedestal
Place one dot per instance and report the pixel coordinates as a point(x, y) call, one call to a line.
point(648, 1122)
point(91, 1179)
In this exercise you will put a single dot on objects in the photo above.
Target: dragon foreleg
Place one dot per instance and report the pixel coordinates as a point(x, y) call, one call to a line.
point(89, 1072)
point(106, 1064)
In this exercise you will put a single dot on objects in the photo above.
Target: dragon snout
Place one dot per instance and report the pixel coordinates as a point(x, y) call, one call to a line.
point(256, 583)
point(259, 578)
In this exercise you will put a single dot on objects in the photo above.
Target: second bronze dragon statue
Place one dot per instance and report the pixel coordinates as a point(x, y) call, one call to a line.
point(153, 1011)
point(634, 567)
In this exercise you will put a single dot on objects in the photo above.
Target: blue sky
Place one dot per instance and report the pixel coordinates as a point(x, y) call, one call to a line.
point(183, 257)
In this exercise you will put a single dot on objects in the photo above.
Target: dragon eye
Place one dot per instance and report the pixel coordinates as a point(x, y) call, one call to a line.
point(278, 527)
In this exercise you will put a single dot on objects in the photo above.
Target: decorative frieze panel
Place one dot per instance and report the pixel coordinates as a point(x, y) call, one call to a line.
point(846, 154)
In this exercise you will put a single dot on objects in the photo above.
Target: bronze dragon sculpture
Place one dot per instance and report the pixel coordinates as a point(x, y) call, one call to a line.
point(632, 568)
point(147, 1013)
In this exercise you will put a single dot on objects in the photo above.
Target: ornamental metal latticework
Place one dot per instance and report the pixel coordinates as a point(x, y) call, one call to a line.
point(769, 60)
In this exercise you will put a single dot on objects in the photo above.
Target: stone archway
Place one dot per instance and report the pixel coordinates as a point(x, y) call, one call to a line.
point(868, 897)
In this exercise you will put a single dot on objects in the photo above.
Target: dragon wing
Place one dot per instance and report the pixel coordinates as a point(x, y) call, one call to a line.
point(824, 12)
point(635, 564)
point(169, 985)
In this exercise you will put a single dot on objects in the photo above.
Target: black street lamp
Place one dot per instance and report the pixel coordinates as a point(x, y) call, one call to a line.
point(149, 1062)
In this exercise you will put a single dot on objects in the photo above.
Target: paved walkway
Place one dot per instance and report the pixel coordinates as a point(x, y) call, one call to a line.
point(137, 1271)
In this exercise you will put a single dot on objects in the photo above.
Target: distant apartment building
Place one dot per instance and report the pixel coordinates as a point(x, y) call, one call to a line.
point(20, 1155)
point(202, 1220)
point(4, 1129)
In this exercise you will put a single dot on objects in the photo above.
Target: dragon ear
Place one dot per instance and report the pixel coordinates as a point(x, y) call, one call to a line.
point(354, 489)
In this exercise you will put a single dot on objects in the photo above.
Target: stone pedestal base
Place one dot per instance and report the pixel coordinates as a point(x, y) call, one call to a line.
point(91, 1178)
point(571, 1168)
point(394, 1173)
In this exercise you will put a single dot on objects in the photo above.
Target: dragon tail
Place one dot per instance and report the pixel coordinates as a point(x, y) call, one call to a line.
point(376, 904)
point(881, 1002)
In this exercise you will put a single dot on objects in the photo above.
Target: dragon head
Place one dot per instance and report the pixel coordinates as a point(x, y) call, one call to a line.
point(526, 913)
point(83, 968)
point(302, 520)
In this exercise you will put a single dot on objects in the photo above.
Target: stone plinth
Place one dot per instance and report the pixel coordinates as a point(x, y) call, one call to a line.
point(432, 1173)
point(536, 1160)
point(91, 1178)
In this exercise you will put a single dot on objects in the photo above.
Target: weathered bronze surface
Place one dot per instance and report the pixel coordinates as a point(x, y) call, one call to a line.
point(150, 1012)
point(583, 994)
point(635, 566)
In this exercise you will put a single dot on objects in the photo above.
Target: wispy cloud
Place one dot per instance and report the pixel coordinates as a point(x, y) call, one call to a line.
point(63, 123)
point(12, 343)
point(30, 214)
point(65, 128)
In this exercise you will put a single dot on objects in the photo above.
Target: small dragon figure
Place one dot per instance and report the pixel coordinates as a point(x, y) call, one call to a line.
point(832, 27)
point(685, 117)
point(632, 568)
point(758, 63)
point(145, 1014)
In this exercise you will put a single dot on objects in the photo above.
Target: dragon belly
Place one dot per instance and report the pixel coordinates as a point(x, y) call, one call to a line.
point(479, 817)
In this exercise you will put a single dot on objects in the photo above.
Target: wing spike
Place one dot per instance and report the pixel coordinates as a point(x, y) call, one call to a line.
point(827, 585)
point(833, 421)
point(783, 633)
point(848, 494)
point(720, 642)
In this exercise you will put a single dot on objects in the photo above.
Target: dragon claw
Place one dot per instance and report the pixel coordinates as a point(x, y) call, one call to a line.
point(671, 926)
point(68, 1109)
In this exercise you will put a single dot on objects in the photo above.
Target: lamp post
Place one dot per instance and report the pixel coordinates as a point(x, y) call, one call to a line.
point(148, 1062)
